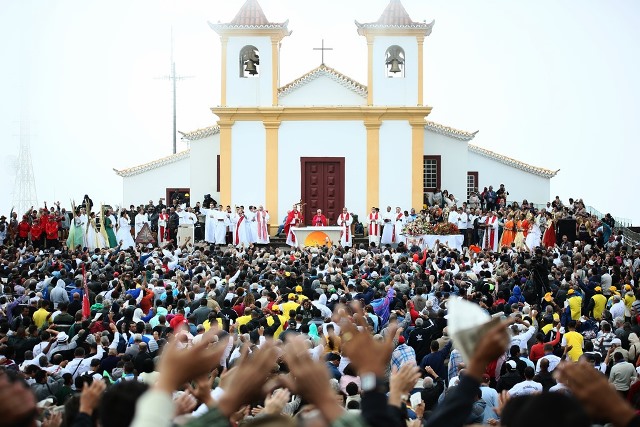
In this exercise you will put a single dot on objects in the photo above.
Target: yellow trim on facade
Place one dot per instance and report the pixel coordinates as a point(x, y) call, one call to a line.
point(271, 170)
point(358, 113)
point(225, 161)
point(420, 70)
point(223, 71)
point(373, 162)
point(417, 164)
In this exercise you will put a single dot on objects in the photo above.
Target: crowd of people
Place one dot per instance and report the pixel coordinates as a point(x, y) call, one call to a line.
point(205, 333)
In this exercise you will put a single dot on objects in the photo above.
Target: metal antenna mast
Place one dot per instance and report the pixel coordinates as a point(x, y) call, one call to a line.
point(174, 78)
point(24, 188)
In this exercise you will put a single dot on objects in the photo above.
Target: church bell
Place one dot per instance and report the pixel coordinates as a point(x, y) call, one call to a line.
point(395, 66)
point(251, 68)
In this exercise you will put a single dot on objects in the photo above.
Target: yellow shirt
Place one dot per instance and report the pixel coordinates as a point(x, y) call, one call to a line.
point(207, 325)
point(628, 300)
point(573, 338)
point(575, 304)
point(283, 320)
point(242, 320)
point(600, 301)
point(40, 316)
point(288, 306)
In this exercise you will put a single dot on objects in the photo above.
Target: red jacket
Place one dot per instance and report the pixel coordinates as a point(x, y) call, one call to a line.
point(23, 229)
point(36, 230)
point(51, 228)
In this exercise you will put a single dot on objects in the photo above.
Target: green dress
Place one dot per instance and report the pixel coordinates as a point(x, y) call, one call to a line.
point(110, 233)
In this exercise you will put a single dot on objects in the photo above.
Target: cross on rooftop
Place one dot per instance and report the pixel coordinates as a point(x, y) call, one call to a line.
point(322, 49)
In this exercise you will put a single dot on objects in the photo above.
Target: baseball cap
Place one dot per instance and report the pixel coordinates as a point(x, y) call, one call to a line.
point(548, 297)
point(616, 341)
point(511, 364)
point(570, 292)
point(597, 289)
point(298, 289)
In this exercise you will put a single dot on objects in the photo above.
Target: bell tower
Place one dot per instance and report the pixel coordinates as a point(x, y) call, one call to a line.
point(395, 61)
point(250, 57)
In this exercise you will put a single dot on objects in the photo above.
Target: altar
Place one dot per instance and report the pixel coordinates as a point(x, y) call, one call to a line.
point(317, 236)
point(454, 241)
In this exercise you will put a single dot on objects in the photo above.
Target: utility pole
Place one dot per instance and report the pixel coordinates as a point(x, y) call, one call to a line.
point(174, 78)
point(24, 188)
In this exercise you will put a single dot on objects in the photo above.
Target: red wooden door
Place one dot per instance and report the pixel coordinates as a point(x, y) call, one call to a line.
point(322, 187)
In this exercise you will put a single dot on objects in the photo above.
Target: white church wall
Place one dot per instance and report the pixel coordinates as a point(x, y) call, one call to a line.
point(298, 139)
point(248, 167)
point(323, 90)
point(204, 154)
point(153, 184)
point(520, 184)
point(249, 91)
point(395, 91)
point(454, 163)
point(395, 165)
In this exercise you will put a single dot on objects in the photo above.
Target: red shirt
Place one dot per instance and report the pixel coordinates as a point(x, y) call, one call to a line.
point(319, 220)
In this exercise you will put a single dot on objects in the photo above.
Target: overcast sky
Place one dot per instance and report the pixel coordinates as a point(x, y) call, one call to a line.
point(552, 83)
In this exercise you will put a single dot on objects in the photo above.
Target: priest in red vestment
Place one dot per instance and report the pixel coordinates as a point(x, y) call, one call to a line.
point(319, 220)
point(294, 219)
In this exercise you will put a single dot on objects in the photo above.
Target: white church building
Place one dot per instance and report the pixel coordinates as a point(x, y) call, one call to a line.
point(324, 138)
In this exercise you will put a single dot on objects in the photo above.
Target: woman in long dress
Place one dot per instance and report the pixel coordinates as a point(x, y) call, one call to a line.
point(76, 231)
point(549, 238)
point(519, 239)
point(124, 231)
point(534, 236)
point(95, 240)
point(509, 233)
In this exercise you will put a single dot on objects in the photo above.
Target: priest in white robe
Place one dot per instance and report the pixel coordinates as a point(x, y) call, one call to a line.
point(253, 224)
point(344, 220)
point(241, 229)
point(374, 221)
point(222, 221)
point(399, 221)
point(388, 221)
point(490, 240)
point(210, 222)
point(262, 221)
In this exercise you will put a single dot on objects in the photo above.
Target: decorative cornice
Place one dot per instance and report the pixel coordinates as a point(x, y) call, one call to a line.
point(415, 28)
point(545, 173)
point(449, 131)
point(269, 26)
point(200, 133)
point(323, 70)
point(135, 170)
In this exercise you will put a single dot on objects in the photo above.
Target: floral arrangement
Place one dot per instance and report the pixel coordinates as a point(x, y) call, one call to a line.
point(417, 227)
point(445, 229)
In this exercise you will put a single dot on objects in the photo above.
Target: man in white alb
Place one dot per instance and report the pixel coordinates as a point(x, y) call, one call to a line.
point(210, 224)
point(253, 224)
point(374, 221)
point(222, 222)
point(186, 225)
point(344, 221)
point(387, 228)
point(262, 222)
point(399, 221)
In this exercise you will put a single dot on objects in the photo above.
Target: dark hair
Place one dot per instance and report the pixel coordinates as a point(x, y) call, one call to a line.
point(118, 404)
point(544, 409)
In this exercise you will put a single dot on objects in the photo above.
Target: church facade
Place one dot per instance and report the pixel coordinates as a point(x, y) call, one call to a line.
point(324, 138)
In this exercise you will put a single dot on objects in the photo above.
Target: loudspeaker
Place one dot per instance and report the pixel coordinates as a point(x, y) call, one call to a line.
point(566, 227)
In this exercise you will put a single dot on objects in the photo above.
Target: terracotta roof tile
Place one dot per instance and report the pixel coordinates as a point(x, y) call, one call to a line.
point(546, 173)
point(135, 170)
point(323, 70)
point(250, 14)
point(395, 14)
